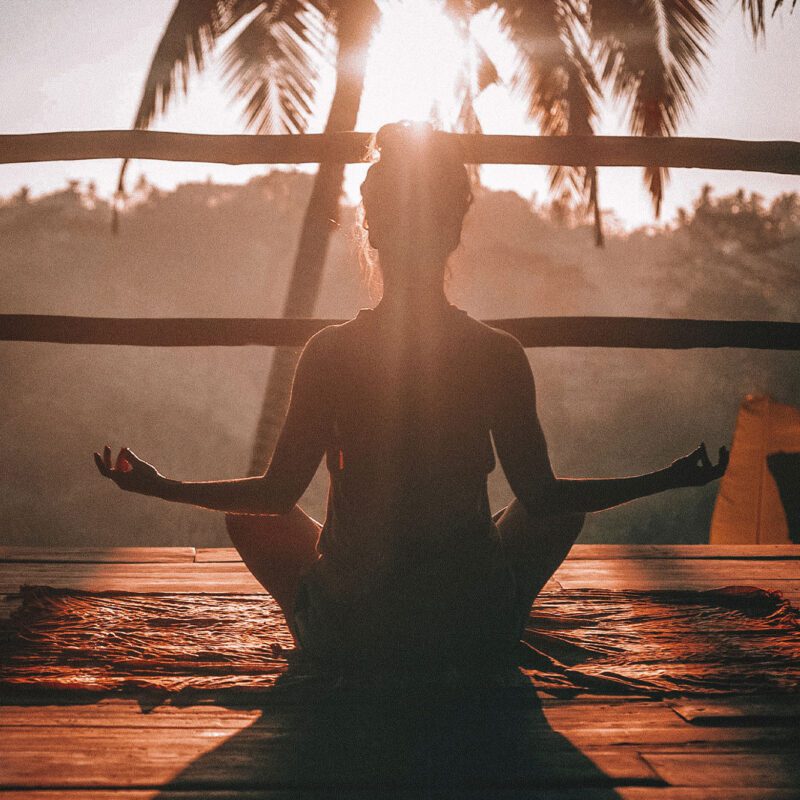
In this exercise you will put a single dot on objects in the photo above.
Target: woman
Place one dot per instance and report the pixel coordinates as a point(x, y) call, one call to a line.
point(404, 402)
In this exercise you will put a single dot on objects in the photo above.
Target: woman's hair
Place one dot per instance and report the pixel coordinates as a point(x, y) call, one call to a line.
point(414, 197)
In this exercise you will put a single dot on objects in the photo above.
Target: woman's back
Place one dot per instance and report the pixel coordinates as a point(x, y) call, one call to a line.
point(408, 538)
point(410, 441)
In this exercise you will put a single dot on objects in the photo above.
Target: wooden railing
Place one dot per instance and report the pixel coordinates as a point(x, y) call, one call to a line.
point(600, 151)
point(618, 151)
point(633, 332)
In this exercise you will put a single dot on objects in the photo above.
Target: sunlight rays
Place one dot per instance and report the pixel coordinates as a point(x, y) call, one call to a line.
point(416, 59)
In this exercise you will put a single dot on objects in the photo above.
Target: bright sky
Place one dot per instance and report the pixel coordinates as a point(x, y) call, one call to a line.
point(80, 64)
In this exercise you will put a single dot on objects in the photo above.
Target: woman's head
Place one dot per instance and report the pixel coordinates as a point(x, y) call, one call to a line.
point(414, 199)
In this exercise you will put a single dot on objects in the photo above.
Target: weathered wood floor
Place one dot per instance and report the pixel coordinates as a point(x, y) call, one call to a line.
point(586, 747)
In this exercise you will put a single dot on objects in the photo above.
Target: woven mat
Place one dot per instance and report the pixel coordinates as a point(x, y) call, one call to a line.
point(732, 640)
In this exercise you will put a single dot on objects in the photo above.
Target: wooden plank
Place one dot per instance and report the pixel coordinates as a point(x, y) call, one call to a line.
point(676, 574)
point(237, 794)
point(595, 552)
point(778, 710)
point(732, 570)
point(93, 555)
point(211, 555)
point(122, 713)
point(706, 793)
point(782, 157)
point(585, 726)
point(696, 738)
point(777, 769)
point(430, 793)
point(177, 577)
point(615, 332)
point(580, 552)
point(789, 589)
point(77, 757)
point(211, 578)
point(613, 552)
point(581, 793)
point(234, 578)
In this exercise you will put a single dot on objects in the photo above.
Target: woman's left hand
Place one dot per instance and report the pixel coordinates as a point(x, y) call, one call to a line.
point(696, 468)
point(129, 471)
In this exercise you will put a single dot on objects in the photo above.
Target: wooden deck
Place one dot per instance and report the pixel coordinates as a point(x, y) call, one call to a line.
point(590, 747)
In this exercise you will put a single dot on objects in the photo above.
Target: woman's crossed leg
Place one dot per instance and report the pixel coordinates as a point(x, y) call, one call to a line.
point(278, 550)
point(535, 548)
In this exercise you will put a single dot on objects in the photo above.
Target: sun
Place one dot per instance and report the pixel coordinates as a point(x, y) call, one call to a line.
point(416, 61)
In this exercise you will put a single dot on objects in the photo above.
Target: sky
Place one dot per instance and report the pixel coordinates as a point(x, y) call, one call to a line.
point(80, 65)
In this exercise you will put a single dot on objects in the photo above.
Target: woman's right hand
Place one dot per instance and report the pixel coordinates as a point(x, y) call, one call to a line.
point(696, 468)
point(129, 471)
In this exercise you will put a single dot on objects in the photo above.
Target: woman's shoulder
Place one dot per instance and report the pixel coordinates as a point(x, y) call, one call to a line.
point(468, 329)
point(333, 340)
point(337, 331)
point(500, 342)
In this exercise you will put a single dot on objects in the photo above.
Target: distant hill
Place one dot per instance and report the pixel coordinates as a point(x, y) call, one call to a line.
point(213, 250)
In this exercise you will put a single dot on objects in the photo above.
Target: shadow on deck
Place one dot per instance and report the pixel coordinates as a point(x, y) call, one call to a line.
point(432, 742)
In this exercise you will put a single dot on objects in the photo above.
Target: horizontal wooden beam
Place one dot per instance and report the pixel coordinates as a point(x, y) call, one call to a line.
point(609, 151)
point(628, 332)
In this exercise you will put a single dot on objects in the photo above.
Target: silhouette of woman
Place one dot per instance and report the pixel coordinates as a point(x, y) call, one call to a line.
point(404, 402)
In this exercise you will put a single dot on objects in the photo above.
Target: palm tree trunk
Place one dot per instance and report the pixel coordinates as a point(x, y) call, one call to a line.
point(355, 23)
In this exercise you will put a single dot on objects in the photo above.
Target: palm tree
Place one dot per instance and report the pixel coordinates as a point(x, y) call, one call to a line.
point(647, 52)
point(272, 66)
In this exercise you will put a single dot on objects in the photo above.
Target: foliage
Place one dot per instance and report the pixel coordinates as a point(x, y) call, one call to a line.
point(647, 55)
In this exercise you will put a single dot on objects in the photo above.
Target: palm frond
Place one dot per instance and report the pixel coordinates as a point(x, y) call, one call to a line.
point(486, 73)
point(556, 79)
point(651, 51)
point(755, 10)
point(477, 73)
point(473, 79)
point(272, 65)
point(190, 35)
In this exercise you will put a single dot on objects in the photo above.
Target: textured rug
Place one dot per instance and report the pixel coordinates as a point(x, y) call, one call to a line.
point(732, 640)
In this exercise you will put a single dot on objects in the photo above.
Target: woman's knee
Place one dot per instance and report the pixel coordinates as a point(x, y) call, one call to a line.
point(574, 520)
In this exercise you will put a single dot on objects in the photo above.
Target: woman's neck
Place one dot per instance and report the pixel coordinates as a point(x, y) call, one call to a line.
point(413, 301)
point(412, 288)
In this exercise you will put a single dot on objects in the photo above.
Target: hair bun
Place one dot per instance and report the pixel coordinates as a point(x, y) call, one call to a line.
point(417, 143)
point(417, 182)
point(406, 139)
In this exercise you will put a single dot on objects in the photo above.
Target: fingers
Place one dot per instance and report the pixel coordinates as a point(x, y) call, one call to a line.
point(699, 455)
point(130, 456)
point(101, 465)
point(123, 464)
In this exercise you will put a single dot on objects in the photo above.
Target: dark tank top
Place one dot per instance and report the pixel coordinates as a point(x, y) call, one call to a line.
point(408, 544)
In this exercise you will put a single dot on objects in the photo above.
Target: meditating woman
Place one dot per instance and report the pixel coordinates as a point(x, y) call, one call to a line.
point(404, 402)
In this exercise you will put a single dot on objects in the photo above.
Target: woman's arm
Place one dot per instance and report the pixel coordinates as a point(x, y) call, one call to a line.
point(522, 450)
point(298, 452)
point(238, 495)
point(596, 494)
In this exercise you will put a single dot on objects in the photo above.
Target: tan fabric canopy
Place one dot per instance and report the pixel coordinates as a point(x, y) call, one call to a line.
point(749, 509)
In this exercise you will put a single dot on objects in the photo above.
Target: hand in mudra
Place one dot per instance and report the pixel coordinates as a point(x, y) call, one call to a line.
point(696, 469)
point(129, 472)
